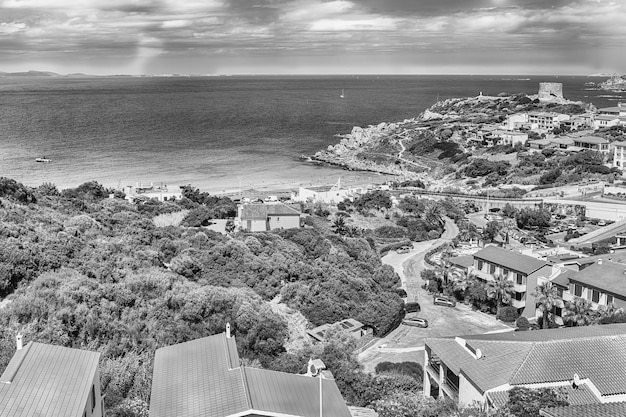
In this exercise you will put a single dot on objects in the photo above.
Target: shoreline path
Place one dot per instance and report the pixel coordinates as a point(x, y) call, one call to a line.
point(406, 343)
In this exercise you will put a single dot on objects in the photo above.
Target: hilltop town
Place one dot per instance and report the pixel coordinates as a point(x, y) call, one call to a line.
point(486, 279)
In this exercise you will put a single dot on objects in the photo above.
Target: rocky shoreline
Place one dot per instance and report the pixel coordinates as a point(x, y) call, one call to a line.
point(617, 83)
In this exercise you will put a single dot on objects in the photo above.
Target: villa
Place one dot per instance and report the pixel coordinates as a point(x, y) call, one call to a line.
point(267, 216)
point(594, 143)
point(588, 362)
point(619, 157)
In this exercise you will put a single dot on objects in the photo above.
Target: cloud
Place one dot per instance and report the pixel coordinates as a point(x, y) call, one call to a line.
point(133, 31)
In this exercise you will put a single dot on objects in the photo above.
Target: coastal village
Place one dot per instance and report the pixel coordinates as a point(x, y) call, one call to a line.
point(499, 239)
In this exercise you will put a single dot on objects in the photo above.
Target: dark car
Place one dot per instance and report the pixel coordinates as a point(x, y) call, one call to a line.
point(415, 321)
point(444, 301)
point(412, 308)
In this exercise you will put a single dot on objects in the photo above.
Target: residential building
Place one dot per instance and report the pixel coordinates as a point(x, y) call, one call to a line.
point(261, 217)
point(562, 142)
point(511, 138)
point(594, 143)
point(492, 262)
point(589, 362)
point(43, 380)
point(515, 121)
point(151, 192)
point(204, 377)
point(353, 327)
point(540, 144)
point(546, 120)
point(619, 154)
point(619, 110)
point(579, 121)
point(328, 194)
point(602, 282)
point(605, 121)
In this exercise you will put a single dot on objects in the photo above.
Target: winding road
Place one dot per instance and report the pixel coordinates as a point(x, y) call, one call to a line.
point(405, 343)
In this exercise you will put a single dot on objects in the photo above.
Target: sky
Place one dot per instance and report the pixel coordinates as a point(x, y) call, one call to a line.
point(313, 36)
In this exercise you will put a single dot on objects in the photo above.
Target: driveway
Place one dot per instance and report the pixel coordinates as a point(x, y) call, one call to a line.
point(406, 343)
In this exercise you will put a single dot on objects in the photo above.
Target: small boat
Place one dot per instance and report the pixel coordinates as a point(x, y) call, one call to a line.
point(44, 159)
point(342, 95)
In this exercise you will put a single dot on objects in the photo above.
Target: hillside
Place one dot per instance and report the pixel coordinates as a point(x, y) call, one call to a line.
point(79, 269)
point(445, 146)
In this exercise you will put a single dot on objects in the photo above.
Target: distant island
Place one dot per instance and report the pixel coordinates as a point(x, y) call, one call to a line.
point(615, 83)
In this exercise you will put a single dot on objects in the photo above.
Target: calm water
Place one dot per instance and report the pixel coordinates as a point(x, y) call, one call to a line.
point(215, 133)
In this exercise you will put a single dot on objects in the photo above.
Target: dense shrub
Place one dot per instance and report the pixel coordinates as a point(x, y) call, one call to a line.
point(508, 314)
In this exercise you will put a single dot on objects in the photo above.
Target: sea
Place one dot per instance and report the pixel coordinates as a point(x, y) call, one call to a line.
point(219, 134)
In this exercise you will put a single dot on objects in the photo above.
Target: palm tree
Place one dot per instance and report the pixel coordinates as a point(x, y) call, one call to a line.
point(433, 213)
point(579, 312)
point(547, 297)
point(501, 289)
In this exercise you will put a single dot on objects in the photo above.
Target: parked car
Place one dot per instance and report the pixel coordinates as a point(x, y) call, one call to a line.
point(412, 308)
point(601, 223)
point(415, 321)
point(444, 301)
point(403, 249)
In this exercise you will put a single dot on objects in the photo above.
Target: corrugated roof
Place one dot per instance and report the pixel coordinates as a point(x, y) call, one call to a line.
point(595, 410)
point(47, 381)
point(509, 259)
point(203, 378)
point(607, 276)
point(540, 356)
point(296, 395)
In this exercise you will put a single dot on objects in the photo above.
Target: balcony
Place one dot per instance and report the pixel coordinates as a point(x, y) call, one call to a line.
point(519, 287)
point(450, 388)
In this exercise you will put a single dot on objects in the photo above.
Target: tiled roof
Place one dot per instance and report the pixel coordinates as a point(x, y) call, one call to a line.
point(579, 395)
point(509, 259)
point(619, 144)
point(262, 211)
point(608, 276)
point(463, 260)
point(203, 378)
point(563, 278)
point(595, 410)
point(540, 356)
point(47, 381)
point(592, 139)
point(606, 117)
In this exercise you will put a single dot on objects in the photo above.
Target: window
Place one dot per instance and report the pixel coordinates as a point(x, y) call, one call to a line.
point(557, 311)
point(595, 296)
point(480, 265)
point(519, 296)
point(559, 291)
point(609, 299)
point(492, 268)
point(578, 290)
point(505, 273)
point(519, 279)
point(93, 398)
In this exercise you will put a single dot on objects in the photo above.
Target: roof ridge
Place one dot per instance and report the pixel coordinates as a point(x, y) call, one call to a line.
point(246, 387)
point(521, 365)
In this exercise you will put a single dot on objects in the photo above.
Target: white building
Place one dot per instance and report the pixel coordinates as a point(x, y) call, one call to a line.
point(619, 154)
point(515, 121)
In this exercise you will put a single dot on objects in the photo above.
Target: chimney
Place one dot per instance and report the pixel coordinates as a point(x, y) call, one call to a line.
point(18, 339)
point(228, 330)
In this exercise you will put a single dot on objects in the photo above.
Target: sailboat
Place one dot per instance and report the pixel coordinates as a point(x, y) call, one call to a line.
point(342, 95)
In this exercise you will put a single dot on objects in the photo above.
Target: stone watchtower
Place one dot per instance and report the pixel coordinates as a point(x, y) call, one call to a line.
point(550, 91)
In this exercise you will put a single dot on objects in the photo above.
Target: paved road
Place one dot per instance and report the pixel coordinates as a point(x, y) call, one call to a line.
point(406, 343)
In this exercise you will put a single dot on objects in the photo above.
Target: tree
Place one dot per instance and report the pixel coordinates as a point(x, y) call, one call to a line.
point(501, 290)
point(547, 298)
point(579, 312)
point(526, 402)
point(491, 230)
point(433, 213)
point(509, 211)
